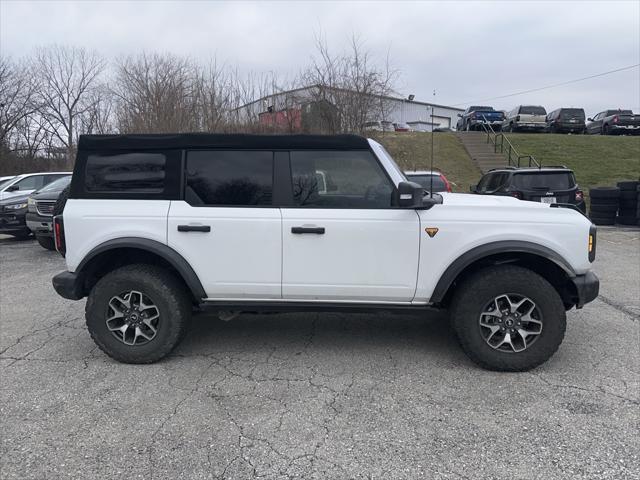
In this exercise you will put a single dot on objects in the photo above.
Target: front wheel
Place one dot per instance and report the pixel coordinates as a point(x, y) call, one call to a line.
point(508, 318)
point(138, 313)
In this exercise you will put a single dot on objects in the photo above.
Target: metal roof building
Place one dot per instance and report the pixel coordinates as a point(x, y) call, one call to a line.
point(289, 106)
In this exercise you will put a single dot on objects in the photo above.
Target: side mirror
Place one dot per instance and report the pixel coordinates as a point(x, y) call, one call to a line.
point(410, 195)
point(473, 188)
point(12, 188)
point(590, 119)
point(460, 115)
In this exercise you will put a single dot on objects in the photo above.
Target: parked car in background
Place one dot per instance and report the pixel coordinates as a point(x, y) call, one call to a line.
point(566, 120)
point(545, 184)
point(614, 122)
point(426, 177)
point(41, 210)
point(5, 179)
point(525, 117)
point(12, 216)
point(475, 116)
point(28, 183)
point(401, 127)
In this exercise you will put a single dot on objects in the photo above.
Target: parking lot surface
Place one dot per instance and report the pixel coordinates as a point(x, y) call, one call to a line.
point(326, 396)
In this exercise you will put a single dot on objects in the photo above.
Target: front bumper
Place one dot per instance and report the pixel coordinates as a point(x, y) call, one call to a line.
point(68, 285)
point(13, 222)
point(587, 288)
point(40, 225)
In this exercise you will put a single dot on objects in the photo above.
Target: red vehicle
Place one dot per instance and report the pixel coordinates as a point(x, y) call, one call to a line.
point(428, 177)
point(401, 127)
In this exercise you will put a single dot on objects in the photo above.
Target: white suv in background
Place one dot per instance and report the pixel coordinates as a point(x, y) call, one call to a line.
point(157, 225)
point(27, 183)
point(525, 117)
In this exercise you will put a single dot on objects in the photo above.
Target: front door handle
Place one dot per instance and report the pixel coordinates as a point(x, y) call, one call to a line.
point(194, 228)
point(315, 230)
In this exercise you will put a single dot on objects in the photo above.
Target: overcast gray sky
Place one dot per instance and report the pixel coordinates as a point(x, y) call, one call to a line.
point(467, 51)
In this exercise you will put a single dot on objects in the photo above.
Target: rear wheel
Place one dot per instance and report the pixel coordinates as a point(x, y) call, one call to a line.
point(138, 313)
point(508, 318)
point(46, 242)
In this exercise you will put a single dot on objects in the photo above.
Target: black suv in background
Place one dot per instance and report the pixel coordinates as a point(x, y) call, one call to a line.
point(566, 120)
point(545, 184)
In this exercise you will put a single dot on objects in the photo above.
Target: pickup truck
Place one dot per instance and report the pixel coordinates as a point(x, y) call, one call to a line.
point(475, 116)
point(614, 122)
point(242, 223)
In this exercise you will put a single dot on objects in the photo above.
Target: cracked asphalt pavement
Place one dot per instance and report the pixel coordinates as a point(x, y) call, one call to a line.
point(315, 396)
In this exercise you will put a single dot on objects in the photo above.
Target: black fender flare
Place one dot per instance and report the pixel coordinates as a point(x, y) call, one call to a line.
point(478, 253)
point(172, 257)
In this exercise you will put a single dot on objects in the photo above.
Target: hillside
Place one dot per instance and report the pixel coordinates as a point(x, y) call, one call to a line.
point(596, 160)
point(412, 151)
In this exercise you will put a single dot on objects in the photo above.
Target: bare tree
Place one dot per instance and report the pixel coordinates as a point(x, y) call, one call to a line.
point(68, 77)
point(352, 83)
point(155, 94)
point(17, 90)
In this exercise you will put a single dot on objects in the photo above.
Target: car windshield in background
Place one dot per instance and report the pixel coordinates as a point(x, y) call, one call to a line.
point(572, 113)
point(425, 182)
point(4, 183)
point(59, 184)
point(533, 111)
point(539, 180)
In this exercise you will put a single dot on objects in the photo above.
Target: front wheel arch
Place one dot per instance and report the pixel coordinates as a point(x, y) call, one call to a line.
point(541, 260)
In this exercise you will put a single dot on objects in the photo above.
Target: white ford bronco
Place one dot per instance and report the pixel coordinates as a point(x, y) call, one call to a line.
point(157, 226)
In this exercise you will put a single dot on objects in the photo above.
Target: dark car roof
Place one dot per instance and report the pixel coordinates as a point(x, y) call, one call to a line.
point(551, 168)
point(232, 141)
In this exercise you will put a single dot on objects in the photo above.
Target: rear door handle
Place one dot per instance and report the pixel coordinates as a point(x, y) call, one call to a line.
point(194, 228)
point(315, 230)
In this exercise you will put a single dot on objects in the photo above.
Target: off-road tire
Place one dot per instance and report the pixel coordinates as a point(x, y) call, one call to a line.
point(604, 220)
point(604, 192)
point(603, 209)
point(46, 242)
point(475, 292)
point(166, 292)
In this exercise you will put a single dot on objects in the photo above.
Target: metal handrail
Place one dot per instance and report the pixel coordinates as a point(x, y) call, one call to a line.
point(513, 157)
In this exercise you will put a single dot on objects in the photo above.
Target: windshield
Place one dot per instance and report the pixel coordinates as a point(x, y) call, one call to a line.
point(425, 182)
point(59, 184)
point(391, 161)
point(4, 183)
point(475, 109)
point(532, 111)
point(544, 181)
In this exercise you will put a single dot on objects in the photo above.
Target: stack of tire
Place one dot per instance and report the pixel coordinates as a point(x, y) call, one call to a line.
point(604, 205)
point(629, 203)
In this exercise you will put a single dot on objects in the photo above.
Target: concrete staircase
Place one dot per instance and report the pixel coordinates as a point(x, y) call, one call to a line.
point(481, 152)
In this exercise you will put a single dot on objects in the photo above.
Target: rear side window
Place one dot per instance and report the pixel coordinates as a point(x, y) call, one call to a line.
point(229, 178)
point(544, 181)
point(33, 182)
point(351, 179)
point(126, 172)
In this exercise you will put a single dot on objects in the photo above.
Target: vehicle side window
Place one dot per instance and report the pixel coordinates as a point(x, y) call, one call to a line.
point(140, 172)
point(484, 181)
point(352, 179)
point(33, 182)
point(497, 180)
point(229, 178)
point(47, 179)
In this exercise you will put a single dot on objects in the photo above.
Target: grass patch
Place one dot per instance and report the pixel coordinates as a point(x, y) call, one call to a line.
point(596, 160)
point(412, 151)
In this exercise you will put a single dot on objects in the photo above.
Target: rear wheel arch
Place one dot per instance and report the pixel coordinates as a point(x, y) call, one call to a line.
point(119, 252)
point(537, 258)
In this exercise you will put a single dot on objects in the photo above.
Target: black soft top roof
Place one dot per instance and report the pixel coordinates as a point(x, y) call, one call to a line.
point(210, 140)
